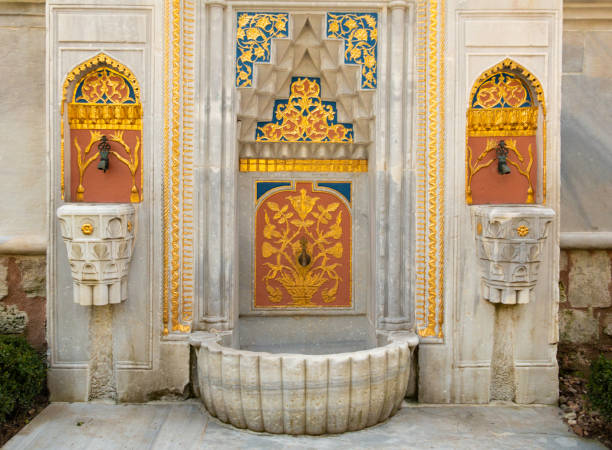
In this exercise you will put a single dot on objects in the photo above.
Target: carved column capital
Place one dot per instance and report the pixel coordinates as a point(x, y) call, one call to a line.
point(509, 243)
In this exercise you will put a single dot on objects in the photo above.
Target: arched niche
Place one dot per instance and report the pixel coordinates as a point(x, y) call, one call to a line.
point(101, 118)
point(506, 104)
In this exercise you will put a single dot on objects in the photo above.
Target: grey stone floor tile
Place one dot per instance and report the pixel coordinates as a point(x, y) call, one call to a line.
point(186, 425)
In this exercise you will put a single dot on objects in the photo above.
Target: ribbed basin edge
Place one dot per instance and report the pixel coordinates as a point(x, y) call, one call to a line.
point(303, 394)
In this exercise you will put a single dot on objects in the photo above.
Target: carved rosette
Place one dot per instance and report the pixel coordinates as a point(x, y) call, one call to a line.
point(99, 240)
point(509, 242)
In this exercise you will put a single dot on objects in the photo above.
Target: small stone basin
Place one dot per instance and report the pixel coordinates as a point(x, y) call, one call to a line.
point(303, 394)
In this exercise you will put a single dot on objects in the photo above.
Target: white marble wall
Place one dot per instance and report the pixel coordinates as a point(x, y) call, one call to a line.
point(146, 366)
point(459, 370)
point(23, 169)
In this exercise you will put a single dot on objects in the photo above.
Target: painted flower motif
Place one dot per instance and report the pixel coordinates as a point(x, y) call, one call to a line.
point(371, 21)
point(87, 228)
point(333, 27)
point(336, 250)
point(267, 250)
point(252, 33)
point(361, 34)
point(369, 61)
point(263, 22)
point(246, 56)
point(259, 52)
point(522, 231)
point(355, 53)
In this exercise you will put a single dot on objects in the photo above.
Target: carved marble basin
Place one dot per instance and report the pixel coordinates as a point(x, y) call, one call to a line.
point(509, 243)
point(303, 394)
point(99, 240)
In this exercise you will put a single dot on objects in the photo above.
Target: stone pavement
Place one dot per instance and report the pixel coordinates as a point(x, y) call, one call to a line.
point(186, 425)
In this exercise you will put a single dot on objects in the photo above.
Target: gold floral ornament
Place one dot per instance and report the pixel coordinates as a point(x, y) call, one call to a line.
point(522, 231)
point(105, 99)
point(502, 105)
point(514, 158)
point(254, 34)
point(87, 228)
point(302, 249)
point(303, 117)
point(360, 35)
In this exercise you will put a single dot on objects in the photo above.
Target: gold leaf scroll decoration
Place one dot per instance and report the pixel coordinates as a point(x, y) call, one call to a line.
point(303, 117)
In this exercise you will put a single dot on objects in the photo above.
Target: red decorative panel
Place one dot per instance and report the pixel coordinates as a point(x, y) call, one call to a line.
point(303, 249)
point(487, 185)
point(122, 182)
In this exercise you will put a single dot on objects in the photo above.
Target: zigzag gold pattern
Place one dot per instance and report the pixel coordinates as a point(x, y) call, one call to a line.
point(187, 241)
point(440, 321)
point(421, 166)
point(166, 187)
point(175, 158)
point(432, 165)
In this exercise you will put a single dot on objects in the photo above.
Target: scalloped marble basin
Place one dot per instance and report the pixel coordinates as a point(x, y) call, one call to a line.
point(303, 394)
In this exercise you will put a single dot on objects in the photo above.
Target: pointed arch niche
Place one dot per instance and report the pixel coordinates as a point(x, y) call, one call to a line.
point(506, 104)
point(304, 51)
point(101, 111)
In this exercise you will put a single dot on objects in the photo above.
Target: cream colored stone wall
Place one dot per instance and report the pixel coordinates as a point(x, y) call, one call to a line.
point(23, 159)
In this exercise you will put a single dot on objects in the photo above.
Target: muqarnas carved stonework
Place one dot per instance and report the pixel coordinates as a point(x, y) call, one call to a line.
point(99, 241)
point(509, 242)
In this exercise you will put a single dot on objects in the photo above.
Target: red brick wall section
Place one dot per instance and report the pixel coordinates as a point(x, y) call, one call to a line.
point(23, 284)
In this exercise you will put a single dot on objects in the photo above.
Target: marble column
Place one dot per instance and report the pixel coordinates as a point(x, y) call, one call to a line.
point(214, 303)
point(394, 310)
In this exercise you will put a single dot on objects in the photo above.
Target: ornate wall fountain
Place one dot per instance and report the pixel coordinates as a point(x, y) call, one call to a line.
point(381, 92)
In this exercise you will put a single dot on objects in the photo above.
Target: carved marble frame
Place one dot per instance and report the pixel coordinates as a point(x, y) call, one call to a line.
point(408, 278)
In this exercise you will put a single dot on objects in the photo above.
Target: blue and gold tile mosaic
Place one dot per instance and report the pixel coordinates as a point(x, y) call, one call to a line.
point(502, 90)
point(254, 33)
point(360, 34)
